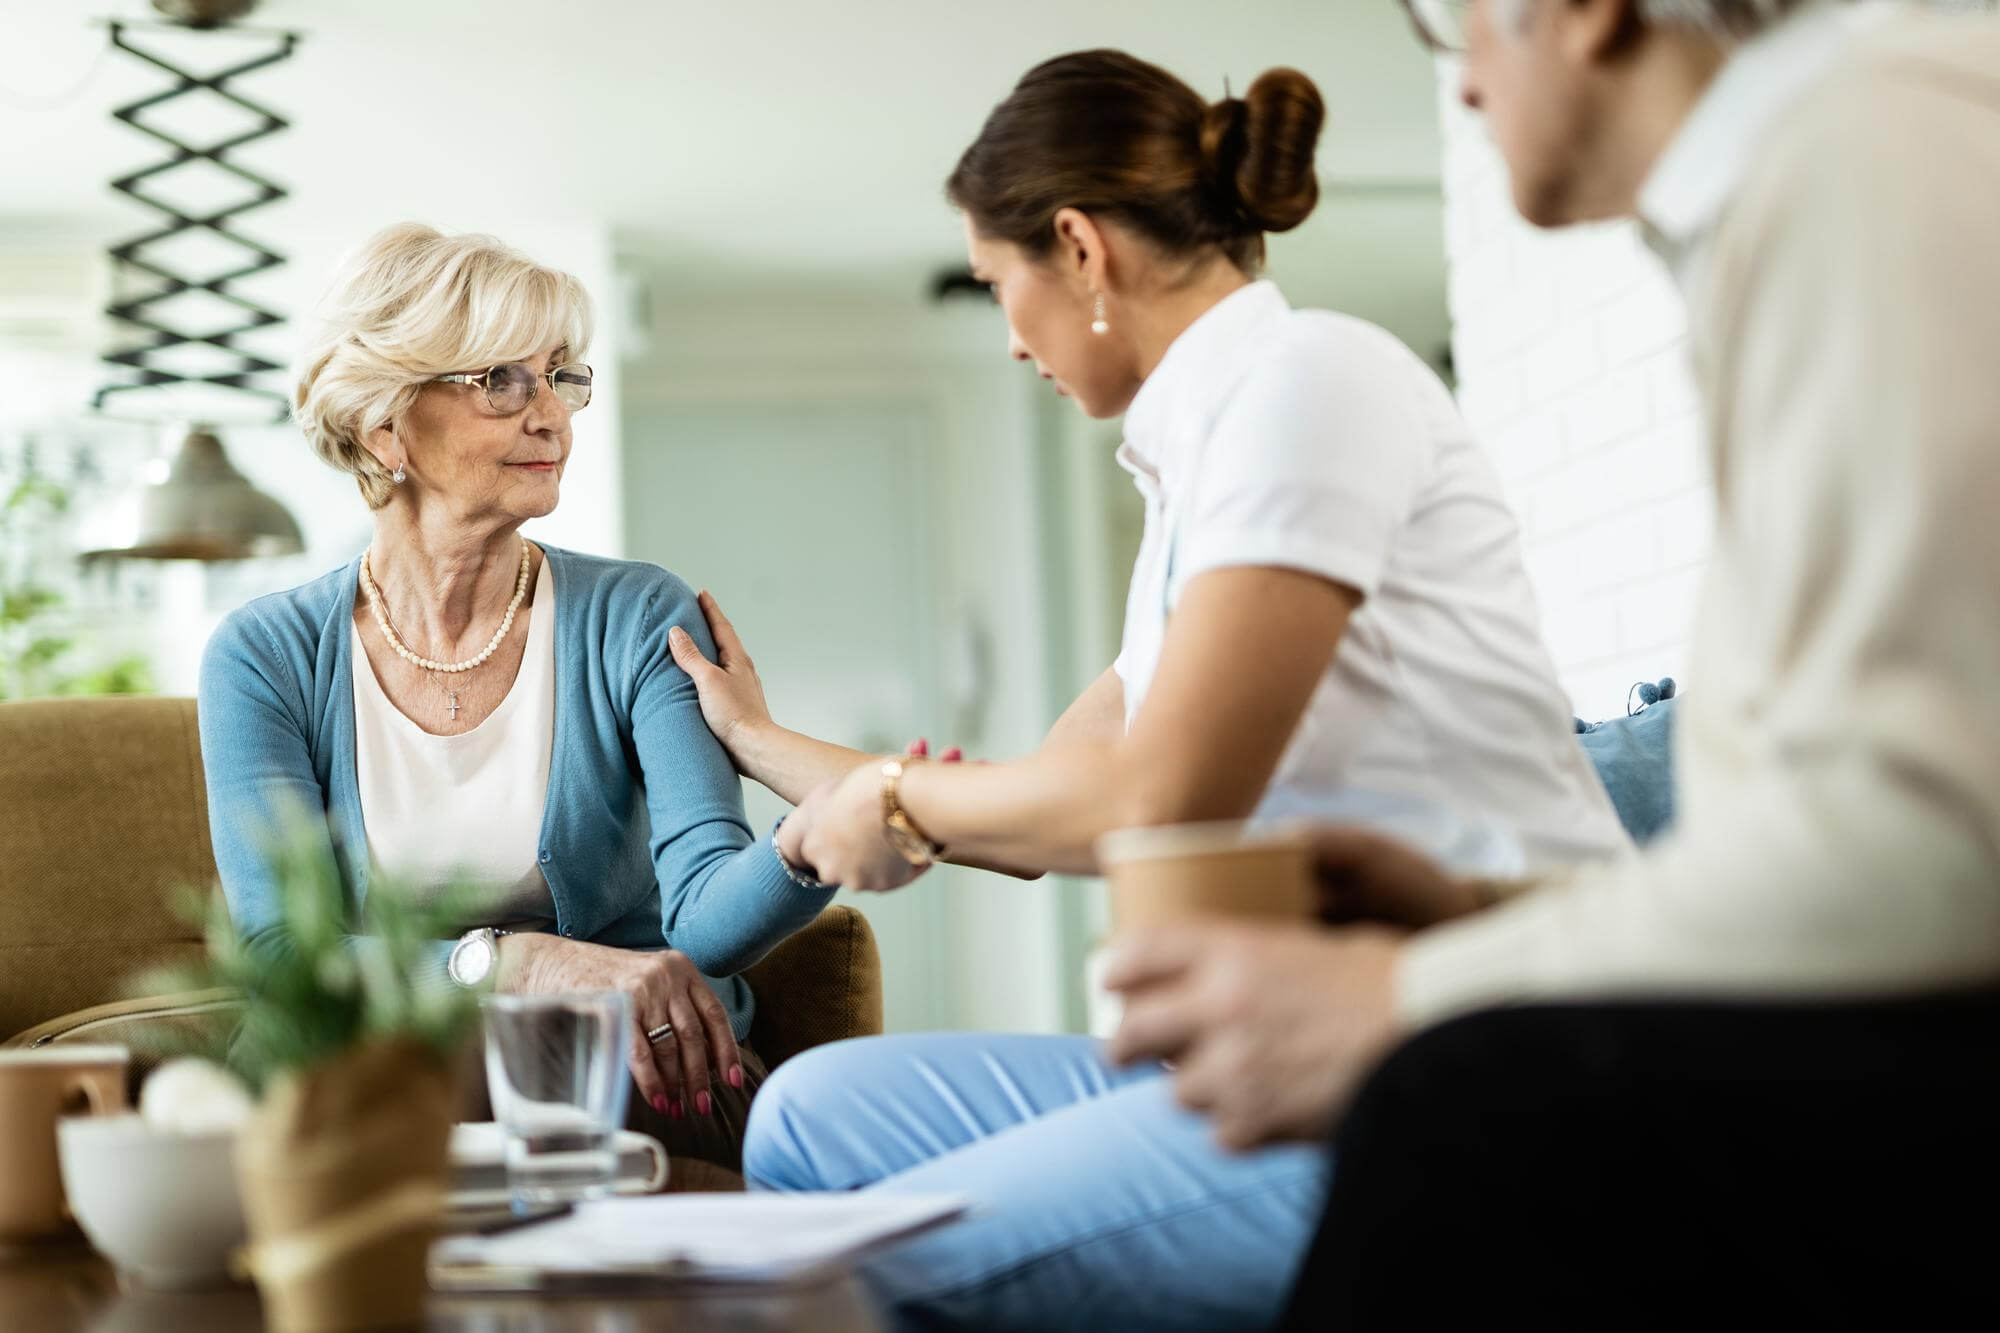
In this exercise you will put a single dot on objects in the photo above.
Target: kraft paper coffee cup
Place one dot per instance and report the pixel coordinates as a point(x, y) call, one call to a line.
point(1175, 872)
point(37, 1087)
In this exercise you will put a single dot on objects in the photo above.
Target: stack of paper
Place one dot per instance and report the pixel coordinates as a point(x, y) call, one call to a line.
point(690, 1237)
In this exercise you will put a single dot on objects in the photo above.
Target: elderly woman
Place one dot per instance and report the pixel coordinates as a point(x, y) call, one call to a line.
point(460, 702)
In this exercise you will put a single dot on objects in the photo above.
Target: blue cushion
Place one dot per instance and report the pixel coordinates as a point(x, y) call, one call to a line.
point(1635, 761)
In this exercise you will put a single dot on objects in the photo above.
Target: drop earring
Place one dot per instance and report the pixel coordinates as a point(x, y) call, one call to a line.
point(397, 475)
point(1098, 324)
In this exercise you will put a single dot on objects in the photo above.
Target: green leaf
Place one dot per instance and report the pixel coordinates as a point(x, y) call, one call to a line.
point(20, 605)
point(130, 675)
point(43, 651)
point(36, 487)
point(326, 975)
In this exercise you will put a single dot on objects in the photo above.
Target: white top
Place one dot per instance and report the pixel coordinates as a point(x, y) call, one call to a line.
point(439, 808)
point(1839, 763)
point(1313, 441)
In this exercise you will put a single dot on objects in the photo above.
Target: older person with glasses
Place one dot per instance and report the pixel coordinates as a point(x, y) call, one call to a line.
point(458, 703)
point(1734, 1080)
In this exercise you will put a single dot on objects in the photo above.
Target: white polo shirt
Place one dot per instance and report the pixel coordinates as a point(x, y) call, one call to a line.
point(1313, 441)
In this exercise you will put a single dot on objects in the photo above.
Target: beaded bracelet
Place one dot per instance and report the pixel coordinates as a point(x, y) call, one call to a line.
point(793, 873)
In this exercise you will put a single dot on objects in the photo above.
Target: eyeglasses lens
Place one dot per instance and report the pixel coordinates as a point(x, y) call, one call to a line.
point(572, 385)
point(508, 388)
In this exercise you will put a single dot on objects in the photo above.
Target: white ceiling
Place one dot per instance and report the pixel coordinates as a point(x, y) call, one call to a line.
point(795, 135)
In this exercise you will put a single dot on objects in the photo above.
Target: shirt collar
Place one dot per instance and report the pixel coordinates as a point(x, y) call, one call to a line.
point(1199, 369)
point(1703, 165)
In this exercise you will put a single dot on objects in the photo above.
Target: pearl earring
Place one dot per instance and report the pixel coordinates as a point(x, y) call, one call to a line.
point(397, 475)
point(1098, 325)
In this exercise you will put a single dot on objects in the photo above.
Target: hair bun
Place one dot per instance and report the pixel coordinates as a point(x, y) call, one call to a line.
point(1222, 135)
point(1105, 132)
point(1257, 150)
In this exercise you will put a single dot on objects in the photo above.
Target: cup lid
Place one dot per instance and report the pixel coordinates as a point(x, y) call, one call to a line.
point(74, 1054)
point(1168, 840)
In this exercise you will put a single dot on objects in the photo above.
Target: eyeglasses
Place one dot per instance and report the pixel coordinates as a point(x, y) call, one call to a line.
point(511, 387)
point(1440, 23)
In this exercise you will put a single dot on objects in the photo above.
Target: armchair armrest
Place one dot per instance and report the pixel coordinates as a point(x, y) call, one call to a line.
point(821, 985)
point(155, 1027)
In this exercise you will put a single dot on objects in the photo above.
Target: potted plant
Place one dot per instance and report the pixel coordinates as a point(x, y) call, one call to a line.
point(350, 1043)
point(36, 640)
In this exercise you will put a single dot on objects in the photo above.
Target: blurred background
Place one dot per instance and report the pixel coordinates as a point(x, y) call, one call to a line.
point(796, 408)
point(914, 536)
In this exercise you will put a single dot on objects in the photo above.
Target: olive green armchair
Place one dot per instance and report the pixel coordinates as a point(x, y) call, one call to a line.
point(104, 816)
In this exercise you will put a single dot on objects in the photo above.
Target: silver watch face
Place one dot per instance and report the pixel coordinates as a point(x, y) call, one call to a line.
point(473, 958)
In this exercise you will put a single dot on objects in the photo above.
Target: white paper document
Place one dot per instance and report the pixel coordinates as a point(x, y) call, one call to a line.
point(694, 1237)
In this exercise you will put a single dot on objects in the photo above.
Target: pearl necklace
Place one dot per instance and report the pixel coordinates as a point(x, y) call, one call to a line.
point(506, 623)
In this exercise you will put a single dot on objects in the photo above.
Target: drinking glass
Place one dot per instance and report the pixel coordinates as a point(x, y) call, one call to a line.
point(555, 1071)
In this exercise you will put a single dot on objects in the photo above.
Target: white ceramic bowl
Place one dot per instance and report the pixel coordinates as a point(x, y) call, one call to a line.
point(161, 1206)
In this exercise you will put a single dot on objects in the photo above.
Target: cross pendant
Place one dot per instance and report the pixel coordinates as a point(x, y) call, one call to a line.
point(453, 695)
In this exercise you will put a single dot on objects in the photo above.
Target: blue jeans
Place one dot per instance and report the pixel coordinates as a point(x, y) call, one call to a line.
point(1097, 1203)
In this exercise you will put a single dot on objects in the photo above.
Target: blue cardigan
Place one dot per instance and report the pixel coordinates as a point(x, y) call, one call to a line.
point(644, 841)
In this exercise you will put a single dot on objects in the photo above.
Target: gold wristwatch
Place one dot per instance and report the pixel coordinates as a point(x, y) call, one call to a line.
point(910, 842)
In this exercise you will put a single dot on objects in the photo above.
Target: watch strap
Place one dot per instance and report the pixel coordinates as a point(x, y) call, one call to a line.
point(910, 842)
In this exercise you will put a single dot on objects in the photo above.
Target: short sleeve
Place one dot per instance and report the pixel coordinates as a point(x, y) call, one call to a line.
point(1315, 461)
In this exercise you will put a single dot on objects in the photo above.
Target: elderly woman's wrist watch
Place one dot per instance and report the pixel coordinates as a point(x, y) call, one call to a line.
point(475, 956)
point(910, 842)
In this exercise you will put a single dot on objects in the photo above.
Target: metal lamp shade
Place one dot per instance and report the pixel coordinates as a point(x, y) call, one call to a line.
point(204, 13)
point(203, 509)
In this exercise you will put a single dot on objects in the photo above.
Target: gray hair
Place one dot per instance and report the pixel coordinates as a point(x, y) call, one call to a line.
point(1717, 18)
point(413, 304)
point(1724, 20)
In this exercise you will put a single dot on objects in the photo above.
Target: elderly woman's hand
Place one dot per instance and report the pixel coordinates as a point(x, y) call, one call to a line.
point(673, 1073)
point(732, 696)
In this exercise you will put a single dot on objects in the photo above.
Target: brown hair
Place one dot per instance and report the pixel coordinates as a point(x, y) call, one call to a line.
point(1114, 136)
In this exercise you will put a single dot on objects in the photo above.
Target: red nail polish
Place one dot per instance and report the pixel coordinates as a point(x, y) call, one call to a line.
point(660, 1105)
point(736, 1076)
point(703, 1104)
point(674, 1108)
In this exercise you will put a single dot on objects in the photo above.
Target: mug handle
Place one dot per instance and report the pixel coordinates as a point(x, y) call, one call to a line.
point(84, 1095)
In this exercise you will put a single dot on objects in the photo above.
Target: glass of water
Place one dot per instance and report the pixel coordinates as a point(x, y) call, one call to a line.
point(555, 1071)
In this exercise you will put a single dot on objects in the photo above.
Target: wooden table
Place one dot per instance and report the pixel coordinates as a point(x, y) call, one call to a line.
point(71, 1290)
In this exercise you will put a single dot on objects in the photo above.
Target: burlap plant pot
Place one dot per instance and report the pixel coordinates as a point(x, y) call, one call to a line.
point(342, 1170)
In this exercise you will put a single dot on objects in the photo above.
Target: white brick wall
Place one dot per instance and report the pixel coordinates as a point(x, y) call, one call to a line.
point(1571, 354)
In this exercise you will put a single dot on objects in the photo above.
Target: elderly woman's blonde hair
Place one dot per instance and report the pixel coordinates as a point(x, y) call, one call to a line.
point(410, 305)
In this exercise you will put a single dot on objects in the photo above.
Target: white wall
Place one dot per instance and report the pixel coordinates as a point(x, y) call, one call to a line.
point(999, 957)
point(1572, 363)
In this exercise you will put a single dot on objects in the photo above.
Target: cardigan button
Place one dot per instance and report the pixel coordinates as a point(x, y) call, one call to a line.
point(545, 856)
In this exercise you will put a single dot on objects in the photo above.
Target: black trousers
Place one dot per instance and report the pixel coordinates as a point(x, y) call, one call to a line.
point(1672, 1166)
